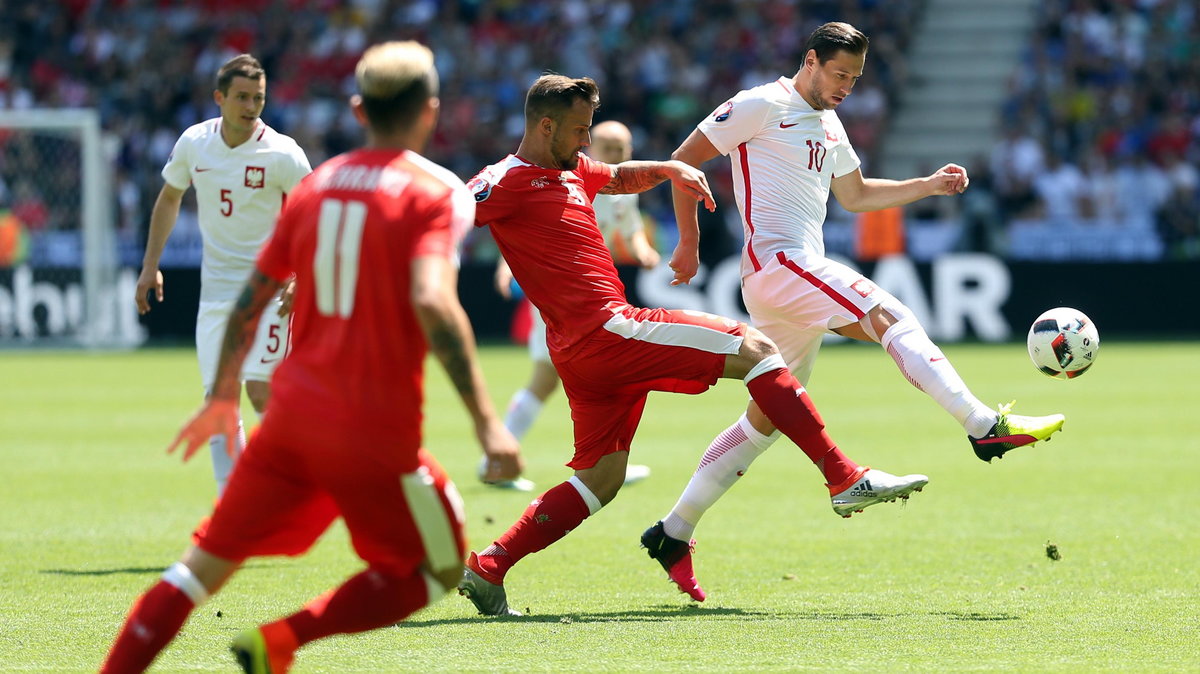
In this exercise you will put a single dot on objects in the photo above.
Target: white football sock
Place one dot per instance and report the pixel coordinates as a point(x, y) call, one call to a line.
point(727, 459)
point(523, 410)
point(926, 367)
point(222, 462)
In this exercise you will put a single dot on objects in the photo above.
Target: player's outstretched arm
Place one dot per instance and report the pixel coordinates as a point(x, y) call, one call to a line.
point(685, 261)
point(858, 194)
point(162, 221)
point(448, 332)
point(219, 416)
point(633, 177)
point(688, 183)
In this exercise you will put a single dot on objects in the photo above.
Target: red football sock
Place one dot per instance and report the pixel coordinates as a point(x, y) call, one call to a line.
point(785, 402)
point(550, 517)
point(837, 467)
point(153, 622)
point(368, 600)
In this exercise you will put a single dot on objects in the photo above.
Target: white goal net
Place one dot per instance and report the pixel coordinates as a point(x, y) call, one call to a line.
point(61, 281)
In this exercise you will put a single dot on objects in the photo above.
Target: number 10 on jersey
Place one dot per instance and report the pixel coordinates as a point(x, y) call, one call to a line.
point(816, 155)
point(335, 266)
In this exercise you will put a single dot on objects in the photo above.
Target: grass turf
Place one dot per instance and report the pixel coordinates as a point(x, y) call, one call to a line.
point(958, 579)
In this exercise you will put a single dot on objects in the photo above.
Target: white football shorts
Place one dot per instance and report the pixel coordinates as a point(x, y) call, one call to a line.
point(271, 342)
point(796, 298)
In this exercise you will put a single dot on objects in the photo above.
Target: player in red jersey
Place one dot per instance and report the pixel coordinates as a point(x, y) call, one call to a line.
point(371, 236)
point(609, 354)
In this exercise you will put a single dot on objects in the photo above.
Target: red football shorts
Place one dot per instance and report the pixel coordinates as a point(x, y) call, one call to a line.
point(295, 477)
point(608, 376)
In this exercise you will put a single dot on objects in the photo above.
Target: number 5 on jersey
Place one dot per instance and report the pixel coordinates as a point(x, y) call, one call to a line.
point(335, 267)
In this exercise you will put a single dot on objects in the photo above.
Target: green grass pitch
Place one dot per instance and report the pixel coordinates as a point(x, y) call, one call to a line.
point(957, 579)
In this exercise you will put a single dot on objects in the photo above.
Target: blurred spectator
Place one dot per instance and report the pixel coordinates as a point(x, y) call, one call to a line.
point(1015, 162)
point(1142, 189)
point(1061, 189)
point(1100, 187)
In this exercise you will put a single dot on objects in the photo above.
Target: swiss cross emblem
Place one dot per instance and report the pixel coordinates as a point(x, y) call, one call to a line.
point(863, 287)
point(574, 192)
point(256, 177)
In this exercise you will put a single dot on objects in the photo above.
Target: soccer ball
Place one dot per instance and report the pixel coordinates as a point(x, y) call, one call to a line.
point(1063, 343)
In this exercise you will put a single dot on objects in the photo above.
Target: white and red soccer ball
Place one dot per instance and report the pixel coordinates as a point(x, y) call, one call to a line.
point(1063, 343)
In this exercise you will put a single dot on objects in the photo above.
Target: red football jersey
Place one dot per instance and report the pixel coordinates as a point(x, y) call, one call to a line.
point(349, 233)
point(543, 221)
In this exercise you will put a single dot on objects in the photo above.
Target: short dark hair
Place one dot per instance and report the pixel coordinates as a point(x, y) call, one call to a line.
point(553, 95)
point(242, 65)
point(395, 81)
point(833, 37)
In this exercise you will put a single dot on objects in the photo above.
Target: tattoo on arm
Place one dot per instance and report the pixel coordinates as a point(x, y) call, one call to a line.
point(447, 342)
point(239, 333)
point(633, 177)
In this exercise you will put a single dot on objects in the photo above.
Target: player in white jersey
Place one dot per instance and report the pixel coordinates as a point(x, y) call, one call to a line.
point(789, 150)
point(241, 170)
point(620, 222)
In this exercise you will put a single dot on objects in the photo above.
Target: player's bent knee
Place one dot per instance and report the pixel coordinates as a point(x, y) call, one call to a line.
point(757, 344)
point(757, 354)
point(757, 347)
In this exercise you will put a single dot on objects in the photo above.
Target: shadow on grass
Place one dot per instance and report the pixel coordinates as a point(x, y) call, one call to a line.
point(693, 611)
point(976, 615)
point(652, 614)
point(130, 570)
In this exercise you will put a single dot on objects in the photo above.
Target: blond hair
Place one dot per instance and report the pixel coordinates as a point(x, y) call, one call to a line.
point(395, 80)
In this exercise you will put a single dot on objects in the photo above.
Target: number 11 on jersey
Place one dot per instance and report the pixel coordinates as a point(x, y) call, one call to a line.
point(335, 267)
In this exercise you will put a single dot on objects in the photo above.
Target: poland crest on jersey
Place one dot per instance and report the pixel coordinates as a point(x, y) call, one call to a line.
point(256, 177)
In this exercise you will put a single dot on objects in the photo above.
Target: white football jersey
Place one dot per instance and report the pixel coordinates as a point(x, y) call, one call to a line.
point(617, 214)
point(784, 154)
point(239, 192)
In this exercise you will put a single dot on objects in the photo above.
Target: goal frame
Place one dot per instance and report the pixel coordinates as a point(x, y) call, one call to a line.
point(99, 263)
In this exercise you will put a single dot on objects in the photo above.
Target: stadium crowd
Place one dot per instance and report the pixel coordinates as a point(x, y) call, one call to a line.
point(147, 64)
point(1100, 125)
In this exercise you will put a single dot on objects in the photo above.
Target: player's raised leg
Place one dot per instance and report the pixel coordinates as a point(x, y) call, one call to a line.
point(990, 432)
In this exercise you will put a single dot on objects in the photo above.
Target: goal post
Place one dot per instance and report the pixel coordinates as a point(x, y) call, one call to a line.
point(61, 281)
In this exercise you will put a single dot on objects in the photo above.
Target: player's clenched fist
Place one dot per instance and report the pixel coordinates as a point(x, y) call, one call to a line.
point(950, 179)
